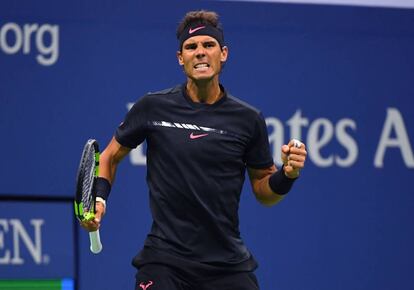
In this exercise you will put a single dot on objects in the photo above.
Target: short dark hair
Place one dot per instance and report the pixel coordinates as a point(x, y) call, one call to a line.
point(200, 17)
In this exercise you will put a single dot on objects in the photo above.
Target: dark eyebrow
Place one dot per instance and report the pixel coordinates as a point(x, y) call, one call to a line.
point(209, 42)
point(190, 45)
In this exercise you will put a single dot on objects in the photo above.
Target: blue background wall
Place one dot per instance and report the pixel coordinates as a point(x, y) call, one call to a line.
point(339, 78)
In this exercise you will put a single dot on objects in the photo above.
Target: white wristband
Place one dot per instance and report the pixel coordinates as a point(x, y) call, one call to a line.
point(103, 201)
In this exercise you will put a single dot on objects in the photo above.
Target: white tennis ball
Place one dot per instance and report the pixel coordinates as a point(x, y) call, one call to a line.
point(297, 143)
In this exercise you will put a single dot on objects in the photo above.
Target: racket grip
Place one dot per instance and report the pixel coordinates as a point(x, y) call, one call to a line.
point(95, 239)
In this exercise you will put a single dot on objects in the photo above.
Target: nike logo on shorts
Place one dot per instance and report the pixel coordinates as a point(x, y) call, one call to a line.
point(145, 286)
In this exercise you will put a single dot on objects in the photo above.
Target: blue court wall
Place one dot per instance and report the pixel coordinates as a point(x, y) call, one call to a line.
point(339, 78)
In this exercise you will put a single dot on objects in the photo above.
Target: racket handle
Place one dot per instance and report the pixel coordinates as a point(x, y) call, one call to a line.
point(95, 239)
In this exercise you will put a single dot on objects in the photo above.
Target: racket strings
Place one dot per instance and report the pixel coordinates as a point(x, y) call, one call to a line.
point(88, 176)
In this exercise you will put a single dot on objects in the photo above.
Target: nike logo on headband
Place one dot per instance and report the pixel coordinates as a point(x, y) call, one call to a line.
point(191, 31)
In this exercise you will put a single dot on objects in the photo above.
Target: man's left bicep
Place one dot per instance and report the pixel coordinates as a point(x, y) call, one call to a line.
point(259, 177)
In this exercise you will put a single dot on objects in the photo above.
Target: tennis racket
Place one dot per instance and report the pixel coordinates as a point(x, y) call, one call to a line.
point(85, 190)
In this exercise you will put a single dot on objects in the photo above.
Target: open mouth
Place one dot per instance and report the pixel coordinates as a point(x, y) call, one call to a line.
point(201, 66)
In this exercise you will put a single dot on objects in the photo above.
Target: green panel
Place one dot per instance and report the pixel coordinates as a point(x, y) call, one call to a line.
point(97, 164)
point(30, 285)
point(79, 212)
point(76, 208)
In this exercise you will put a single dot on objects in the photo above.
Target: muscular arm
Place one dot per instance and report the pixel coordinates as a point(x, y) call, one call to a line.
point(259, 179)
point(110, 158)
point(293, 158)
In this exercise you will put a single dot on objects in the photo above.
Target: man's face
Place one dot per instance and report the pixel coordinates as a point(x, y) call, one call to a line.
point(202, 57)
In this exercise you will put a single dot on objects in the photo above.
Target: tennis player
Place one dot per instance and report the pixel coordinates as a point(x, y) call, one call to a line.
point(200, 141)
